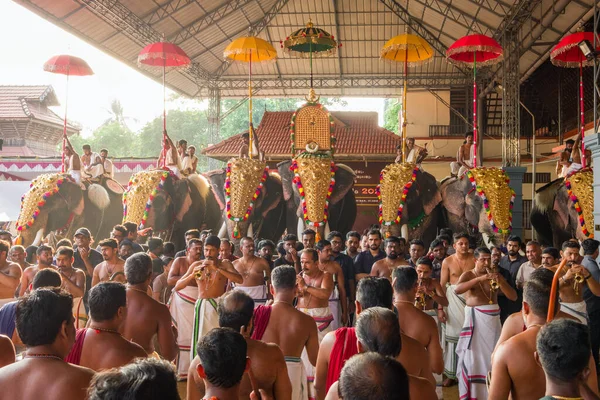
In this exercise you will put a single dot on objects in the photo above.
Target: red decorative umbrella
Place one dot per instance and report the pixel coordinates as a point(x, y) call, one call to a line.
point(568, 54)
point(470, 51)
point(69, 66)
point(162, 56)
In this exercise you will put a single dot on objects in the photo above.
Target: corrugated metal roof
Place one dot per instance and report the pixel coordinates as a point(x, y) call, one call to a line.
point(204, 28)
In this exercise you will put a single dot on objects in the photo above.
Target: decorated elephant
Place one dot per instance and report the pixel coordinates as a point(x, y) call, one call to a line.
point(250, 198)
point(408, 201)
point(55, 204)
point(479, 202)
point(564, 209)
point(169, 205)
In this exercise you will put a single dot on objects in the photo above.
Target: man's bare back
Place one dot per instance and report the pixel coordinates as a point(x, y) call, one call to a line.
point(35, 378)
point(253, 270)
point(384, 268)
point(106, 271)
point(104, 350)
point(292, 330)
point(146, 318)
point(10, 276)
point(415, 359)
point(27, 277)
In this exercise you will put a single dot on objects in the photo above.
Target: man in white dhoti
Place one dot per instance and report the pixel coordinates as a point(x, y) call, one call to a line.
point(72, 162)
point(315, 287)
point(92, 163)
point(107, 165)
point(464, 157)
point(255, 272)
point(482, 327)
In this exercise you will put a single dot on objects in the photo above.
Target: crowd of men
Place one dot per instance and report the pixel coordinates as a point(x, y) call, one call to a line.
point(351, 316)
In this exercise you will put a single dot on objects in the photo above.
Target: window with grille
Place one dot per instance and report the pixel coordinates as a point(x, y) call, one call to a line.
point(527, 204)
point(540, 177)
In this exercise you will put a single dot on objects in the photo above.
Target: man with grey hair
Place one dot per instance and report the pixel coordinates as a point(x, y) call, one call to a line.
point(146, 317)
point(292, 330)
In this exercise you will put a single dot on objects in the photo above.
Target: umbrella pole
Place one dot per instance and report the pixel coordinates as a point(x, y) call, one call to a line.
point(62, 168)
point(581, 115)
point(250, 129)
point(475, 109)
point(311, 70)
point(404, 122)
point(164, 150)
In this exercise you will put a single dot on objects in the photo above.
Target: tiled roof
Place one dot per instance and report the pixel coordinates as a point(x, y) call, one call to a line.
point(357, 134)
point(24, 102)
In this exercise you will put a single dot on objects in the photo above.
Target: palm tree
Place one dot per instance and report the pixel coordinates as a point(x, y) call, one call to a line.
point(117, 115)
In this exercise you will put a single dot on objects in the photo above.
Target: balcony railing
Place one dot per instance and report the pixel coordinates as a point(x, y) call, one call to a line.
point(458, 131)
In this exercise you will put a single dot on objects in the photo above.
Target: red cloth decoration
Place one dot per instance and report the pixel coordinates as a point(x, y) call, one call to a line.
point(343, 348)
point(74, 356)
point(262, 314)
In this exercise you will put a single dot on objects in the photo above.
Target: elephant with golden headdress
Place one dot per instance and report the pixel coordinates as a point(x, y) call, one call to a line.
point(564, 209)
point(56, 204)
point(479, 202)
point(169, 205)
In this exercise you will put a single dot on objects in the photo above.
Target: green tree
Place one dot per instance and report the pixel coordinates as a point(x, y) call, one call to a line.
point(391, 109)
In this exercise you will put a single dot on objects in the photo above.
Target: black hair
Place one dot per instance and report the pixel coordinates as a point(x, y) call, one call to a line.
point(374, 232)
point(378, 330)
point(138, 267)
point(169, 249)
point(112, 243)
point(222, 353)
point(154, 243)
point(352, 234)
point(374, 292)
point(371, 376)
point(290, 236)
point(283, 277)
point(570, 244)
point(104, 151)
point(194, 233)
point(64, 243)
point(144, 378)
point(590, 246)
point(569, 141)
point(333, 234)
point(514, 238)
point(64, 251)
point(105, 299)
point(446, 231)
point(425, 261)
point(321, 244)
point(131, 227)
point(182, 142)
point(193, 242)
point(86, 147)
point(121, 229)
point(469, 133)
point(563, 346)
point(444, 237)
point(127, 242)
point(313, 252)
point(40, 315)
point(553, 251)
point(309, 232)
point(265, 243)
point(235, 309)
point(436, 243)
point(405, 279)
point(42, 248)
point(46, 278)
point(481, 250)
point(417, 242)
point(460, 235)
point(392, 239)
point(30, 250)
point(536, 291)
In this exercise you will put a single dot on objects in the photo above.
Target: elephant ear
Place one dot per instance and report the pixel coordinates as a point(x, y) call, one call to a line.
point(286, 178)
point(562, 207)
point(272, 193)
point(344, 181)
point(182, 198)
point(429, 191)
point(217, 183)
point(453, 194)
point(473, 208)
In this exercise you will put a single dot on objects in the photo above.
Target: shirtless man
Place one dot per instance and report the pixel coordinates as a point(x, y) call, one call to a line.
point(107, 165)
point(384, 268)
point(101, 346)
point(414, 322)
point(463, 161)
point(326, 264)
point(73, 281)
point(481, 328)
point(515, 371)
point(244, 149)
point(267, 362)
point(111, 269)
point(339, 346)
point(314, 290)
point(254, 270)
point(575, 160)
point(193, 160)
point(72, 162)
point(210, 276)
point(453, 267)
point(92, 163)
point(146, 317)
point(44, 255)
point(378, 331)
point(431, 291)
point(10, 274)
point(7, 351)
point(169, 156)
point(415, 154)
point(45, 323)
point(182, 304)
point(571, 292)
point(17, 254)
point(292, 330)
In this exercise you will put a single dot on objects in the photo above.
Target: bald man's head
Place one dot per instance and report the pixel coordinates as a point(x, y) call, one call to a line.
point(235, 310)
point(378, 330)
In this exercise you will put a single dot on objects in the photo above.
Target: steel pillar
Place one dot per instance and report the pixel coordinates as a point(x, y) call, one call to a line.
point(214, 120)
point(592, 141)
point(510, 100)
point(515, 175)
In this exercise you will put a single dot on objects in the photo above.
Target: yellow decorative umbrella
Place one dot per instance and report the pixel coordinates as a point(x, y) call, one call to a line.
point(411, 50)
point(250, 49)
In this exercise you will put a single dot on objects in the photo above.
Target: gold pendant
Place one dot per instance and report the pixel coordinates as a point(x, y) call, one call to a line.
point(491, 302)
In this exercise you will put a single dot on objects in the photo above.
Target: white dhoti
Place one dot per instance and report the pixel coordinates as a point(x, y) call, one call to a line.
point(457, 169)
point(455, 316)
point(175, 170)
point(323, 319)
point(79, 313)
point(574, 167)
point(478, 338)
point(206, 319)
point(181, 306)
point(258, 293)
point(336, 309)
point(297, 376)
point(76, 175)
point(577, 310)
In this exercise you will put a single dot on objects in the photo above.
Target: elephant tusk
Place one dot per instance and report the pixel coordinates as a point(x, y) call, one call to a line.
point(300, 228)
point(223, 230)
point(404, 232)
point(327, 230)
point(38, 237)
point(250, 232)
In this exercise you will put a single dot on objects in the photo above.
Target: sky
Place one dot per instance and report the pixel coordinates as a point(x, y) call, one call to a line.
point(89, 98)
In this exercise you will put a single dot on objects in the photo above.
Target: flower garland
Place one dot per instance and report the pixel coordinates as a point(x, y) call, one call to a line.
point(486, 205)
point(579, 210)
point(254, 197)
point(47, 194)
point(297, 180)
point(331, 126)
point(160, 185)
point(405, 190)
